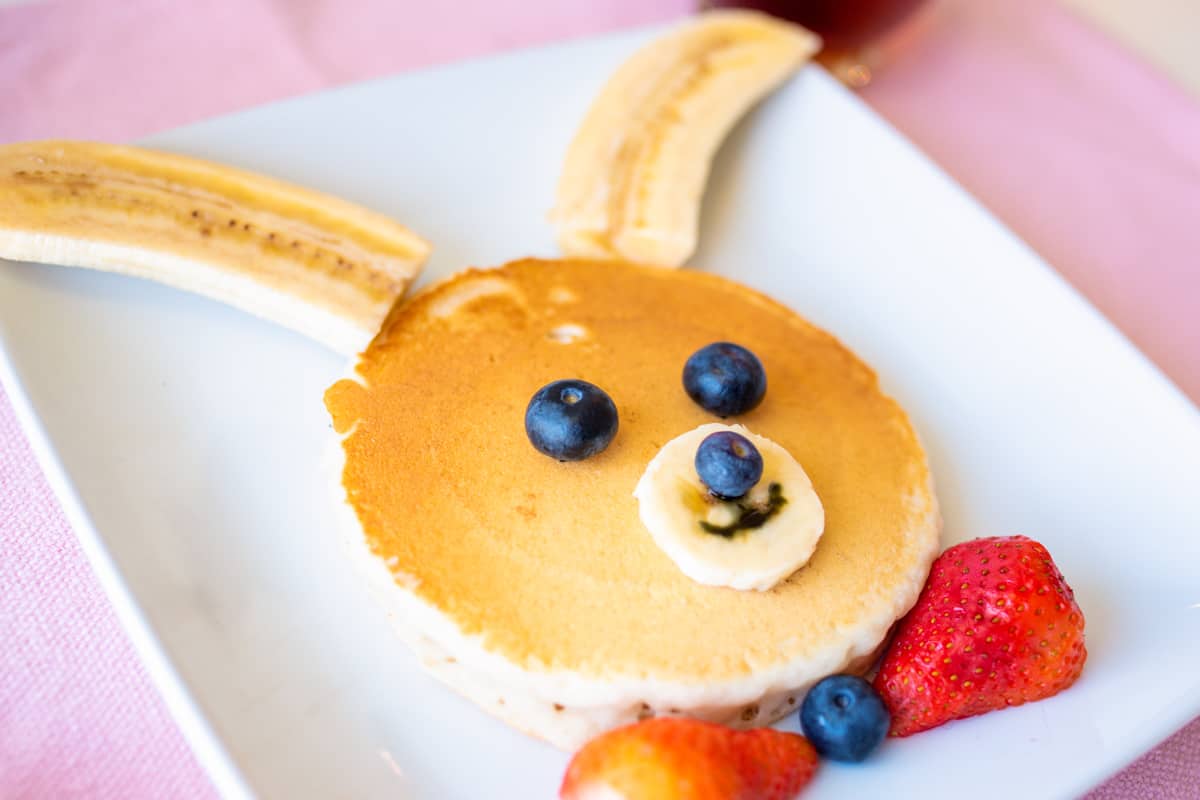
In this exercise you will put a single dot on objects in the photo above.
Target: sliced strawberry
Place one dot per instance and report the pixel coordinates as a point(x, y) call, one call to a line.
point(996, 625)
point(674, 758)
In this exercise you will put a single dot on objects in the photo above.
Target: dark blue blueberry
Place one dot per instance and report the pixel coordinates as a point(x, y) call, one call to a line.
point(844, 718)
point(728, 464)
point(570, 420)
point(725, 379)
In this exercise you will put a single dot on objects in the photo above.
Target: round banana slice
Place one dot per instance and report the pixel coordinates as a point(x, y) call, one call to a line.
point(750, 543)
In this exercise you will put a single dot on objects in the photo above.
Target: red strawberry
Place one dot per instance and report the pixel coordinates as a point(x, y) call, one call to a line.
point(996, 625)
point(672, 758)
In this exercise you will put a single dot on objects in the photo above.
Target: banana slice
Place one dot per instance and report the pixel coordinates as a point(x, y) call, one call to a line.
point(320, 265)
point(635, 172)
point(751, 543)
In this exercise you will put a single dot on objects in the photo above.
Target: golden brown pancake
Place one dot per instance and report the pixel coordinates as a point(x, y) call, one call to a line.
point(531, 585)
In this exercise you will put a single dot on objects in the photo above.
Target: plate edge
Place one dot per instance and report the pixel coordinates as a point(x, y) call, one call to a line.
point(206, 746)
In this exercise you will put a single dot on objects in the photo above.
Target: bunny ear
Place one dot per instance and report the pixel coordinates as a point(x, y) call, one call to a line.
point(309, 261)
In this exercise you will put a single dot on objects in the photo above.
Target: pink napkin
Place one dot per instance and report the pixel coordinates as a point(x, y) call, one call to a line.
point(1086, 153)
point(116, 71)
point(1091, 157)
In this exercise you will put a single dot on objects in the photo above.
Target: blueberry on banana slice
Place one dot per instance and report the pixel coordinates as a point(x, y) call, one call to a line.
point(730, 507)
point(728, 464)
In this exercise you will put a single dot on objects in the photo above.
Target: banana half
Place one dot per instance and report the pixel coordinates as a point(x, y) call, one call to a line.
point(750, 543)
point(636, 169)
point(309, 261)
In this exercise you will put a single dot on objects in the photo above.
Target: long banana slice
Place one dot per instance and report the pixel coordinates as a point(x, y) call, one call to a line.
point(323, 266)
point(635, 172)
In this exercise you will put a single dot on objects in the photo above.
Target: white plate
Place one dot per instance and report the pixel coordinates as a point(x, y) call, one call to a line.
point(185, 438)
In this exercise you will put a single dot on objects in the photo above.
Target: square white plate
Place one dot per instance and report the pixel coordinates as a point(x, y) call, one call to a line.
point(185, 439)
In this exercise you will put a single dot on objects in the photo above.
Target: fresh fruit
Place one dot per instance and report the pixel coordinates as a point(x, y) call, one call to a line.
point(635, 172)
point(309, 261)
point(749, 543)
point(996, 625)
point(673, 758)
point(844, 718)
point(570, 420)
point(728, 464)
point(725, 379)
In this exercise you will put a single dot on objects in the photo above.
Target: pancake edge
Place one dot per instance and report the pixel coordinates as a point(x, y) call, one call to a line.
point(567, 708)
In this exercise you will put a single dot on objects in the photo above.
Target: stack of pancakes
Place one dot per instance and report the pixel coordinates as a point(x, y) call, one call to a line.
point(530, 585)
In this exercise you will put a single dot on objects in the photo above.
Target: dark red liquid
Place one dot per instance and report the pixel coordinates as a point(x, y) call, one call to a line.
point(845, 25)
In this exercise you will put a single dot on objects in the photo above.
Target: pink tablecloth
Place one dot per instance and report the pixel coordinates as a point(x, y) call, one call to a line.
point(1086, 153)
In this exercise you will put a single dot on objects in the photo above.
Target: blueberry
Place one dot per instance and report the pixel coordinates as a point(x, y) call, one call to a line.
point(844, 718)
point(570, 420)
point(728, 464)
point(725, 379)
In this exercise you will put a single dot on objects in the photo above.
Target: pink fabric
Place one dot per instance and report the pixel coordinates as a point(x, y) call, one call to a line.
point(1090, 156)
point(1085, 152)
point(119, 70)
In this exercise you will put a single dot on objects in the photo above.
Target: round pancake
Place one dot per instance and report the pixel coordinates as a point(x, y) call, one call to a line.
point(531, 585)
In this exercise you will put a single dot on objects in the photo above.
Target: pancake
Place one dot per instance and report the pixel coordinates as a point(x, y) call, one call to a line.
point(530, 585)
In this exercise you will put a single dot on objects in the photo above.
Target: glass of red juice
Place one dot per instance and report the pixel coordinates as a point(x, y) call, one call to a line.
point(855, 32)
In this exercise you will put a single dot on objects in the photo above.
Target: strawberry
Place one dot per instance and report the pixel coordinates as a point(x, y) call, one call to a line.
point(996, 625)
point(672, 758)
